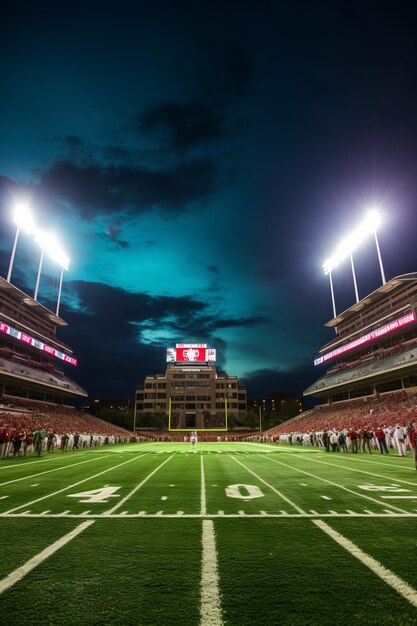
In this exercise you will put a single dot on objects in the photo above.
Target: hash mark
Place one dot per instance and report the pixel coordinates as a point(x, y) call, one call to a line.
point(325, 497)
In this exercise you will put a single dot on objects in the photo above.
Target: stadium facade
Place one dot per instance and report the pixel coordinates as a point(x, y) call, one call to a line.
point(31, 355)
point(191, 391)
point(375, 347)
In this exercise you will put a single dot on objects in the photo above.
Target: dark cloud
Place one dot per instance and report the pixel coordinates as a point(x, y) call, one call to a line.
point(214, 269)
point(186, 125)
point(262, 382)
point(98, 189)
point(107, 330)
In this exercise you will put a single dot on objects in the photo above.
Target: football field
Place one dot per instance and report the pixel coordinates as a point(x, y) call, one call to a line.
point(226, 533)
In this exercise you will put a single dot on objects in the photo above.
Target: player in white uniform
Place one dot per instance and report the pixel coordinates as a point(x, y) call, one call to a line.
point(193, 440)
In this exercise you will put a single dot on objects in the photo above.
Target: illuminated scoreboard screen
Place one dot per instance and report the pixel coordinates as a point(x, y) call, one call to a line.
point(191, 353)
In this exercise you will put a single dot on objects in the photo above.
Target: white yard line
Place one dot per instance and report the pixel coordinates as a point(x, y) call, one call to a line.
point(388, 465)
point(394, 581)
point(330, 482)
point(203, 505)
point(210, 607)
point(281, 495)
point(131, 493)
point(80, 482)
point(57, 469)
point(353, 469)
point(22, 465)
point(218, 515)
point(22, 571)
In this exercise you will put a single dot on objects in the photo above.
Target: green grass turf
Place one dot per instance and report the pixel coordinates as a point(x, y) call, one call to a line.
point(141, 563)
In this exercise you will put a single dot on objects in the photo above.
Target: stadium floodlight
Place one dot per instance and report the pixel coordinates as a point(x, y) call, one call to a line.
point(47, 242)
point(349, 244)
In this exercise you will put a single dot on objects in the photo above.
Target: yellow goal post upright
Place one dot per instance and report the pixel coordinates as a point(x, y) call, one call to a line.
point(201, 430)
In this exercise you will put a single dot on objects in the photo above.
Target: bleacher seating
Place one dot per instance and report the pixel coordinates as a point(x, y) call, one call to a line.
point(384, 410)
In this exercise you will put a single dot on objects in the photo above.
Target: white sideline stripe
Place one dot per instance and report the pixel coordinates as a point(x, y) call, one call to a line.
point(131, 493)
point(353, 469)
point(281, 495)
point(21, 465)
point(55, 493)
point(394, 581)
point(330, 482)
point(210, 608)
point(57, 469)
point(21, 572)
point(203, 504)
point(386, 465)
point(3, 497)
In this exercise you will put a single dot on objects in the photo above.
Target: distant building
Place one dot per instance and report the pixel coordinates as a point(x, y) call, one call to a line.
point(122, 405)
point(192, 392)
point(273, 402)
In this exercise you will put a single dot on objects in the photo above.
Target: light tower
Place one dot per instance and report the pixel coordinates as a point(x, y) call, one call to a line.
point(348, 245)
point(47, 242)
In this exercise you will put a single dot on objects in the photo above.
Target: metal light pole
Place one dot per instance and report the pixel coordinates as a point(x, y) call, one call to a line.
point(35, 297)
point(260, 417)
point(381, 267)
point(332, 292)
point(16, 238)
point(59, 291)
point(354, 278)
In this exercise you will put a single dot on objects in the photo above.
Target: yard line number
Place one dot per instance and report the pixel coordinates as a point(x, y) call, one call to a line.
point(96, 496)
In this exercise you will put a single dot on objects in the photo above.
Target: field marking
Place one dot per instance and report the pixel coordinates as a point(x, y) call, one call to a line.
point(55, 493)
point(218, 515)
point(281, 495)
point(368, 461)
point(56, 469)
point(400, 497)
point(21, 465)
point(330, 482)
point(135, 489)
point(22, 571)
point(210, 607)
point(394, 581)
point(352, 469)
point(203, 502)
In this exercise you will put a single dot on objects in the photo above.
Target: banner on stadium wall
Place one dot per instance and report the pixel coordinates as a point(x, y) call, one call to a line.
point(374, 334)
point(9, 330)
point(191, 353)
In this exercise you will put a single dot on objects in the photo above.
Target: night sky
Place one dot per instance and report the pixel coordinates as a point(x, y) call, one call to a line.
point(199, 161)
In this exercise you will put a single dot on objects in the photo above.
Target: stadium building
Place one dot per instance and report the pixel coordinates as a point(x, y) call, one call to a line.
point(31, 356)
point(375, 348)
point(191, 392)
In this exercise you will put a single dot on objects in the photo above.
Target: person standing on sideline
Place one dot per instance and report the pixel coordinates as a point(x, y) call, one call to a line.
point(4, 442)
point(193, 441)
point(380, 437)
point(399, 439)
point(353, 436)
point(412, 434)
point(38, 439)
point(366, 436)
